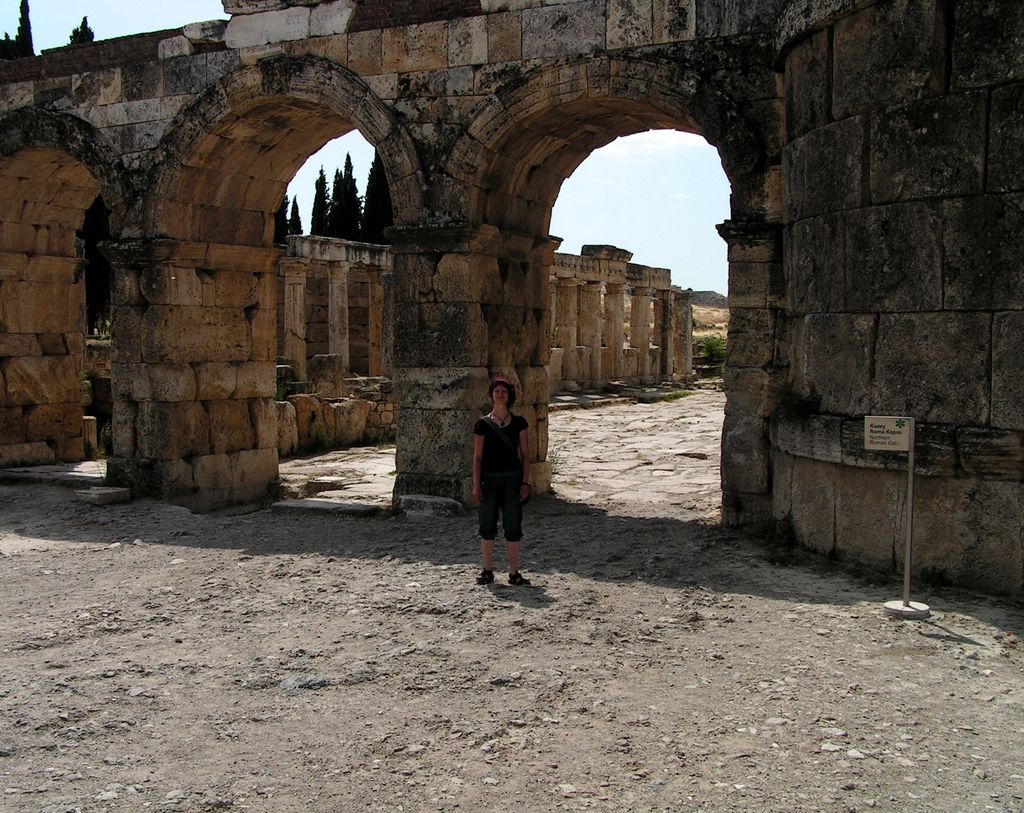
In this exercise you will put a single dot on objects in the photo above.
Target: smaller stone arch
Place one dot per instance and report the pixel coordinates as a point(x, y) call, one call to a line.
point(225, 161)
point(53, 167)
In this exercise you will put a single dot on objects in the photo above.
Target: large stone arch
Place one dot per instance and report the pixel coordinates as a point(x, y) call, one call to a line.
point(484, 278)
point(197, 316)
point(53, 167)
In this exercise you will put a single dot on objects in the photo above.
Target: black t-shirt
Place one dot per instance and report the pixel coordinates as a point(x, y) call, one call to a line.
point(497, 454)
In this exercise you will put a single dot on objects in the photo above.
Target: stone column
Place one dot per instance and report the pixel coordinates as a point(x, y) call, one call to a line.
point(589, 331)
point(664, 319)
point(477, 317)
point(566, 327)
point(375, 321)
point(682, 336)
point(614, 320)
point(337, 313)
point(294, 271)
point(42, 346)
point(640, 330)
point(753, 380)
point(193, 348)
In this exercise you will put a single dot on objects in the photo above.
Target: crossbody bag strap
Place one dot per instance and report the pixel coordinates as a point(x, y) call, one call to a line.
point(497, 430)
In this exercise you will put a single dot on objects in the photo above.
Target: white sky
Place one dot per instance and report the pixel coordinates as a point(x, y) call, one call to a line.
point(658, 194)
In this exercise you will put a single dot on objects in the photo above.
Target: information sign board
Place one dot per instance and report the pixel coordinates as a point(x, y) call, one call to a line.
point(887, 433)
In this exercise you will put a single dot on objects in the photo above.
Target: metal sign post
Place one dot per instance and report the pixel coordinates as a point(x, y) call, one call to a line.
point(896, 434)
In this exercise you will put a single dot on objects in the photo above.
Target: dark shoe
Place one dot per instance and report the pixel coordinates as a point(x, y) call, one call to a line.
point(485, 577)
point(517, 578)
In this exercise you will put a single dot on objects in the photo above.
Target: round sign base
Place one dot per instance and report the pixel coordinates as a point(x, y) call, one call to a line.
point(915, 609)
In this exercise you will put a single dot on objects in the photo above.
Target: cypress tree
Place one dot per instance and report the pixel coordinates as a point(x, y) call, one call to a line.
point(23, 41)
point(82, 34)
point(294, 221)
point(335, 217)
point(318, 224)
point(351, 206)
point(281, 222)
point(377, 213)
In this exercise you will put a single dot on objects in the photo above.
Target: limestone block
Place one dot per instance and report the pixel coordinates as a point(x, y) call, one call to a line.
point(255, 379)
point(674, 20)
point(175, 46)
point(185, 334)
point(234, 289)
point(751, 391)
point(816, 264)
point(630, 24)
point(206, 32)
point(1006, 139)
point(1007, 382)
point(263, 416)
point(438, 442)
point(25, 454)
point(893, 259)
point(19, 344)
point(449, 334)
point(230, 426)
point(751, 337)
point(12, 425)
point(167, 431)
point(126, 334)
point(410, 48)
point(16, 94)
point(326, 19)
point(837, 361)
point(440, 388)
point(816, 437)
point(782, 485)
point(104, 496)
point(870, 516)
point(991, 454)
point(365, 54)
point(426, 505)
point(467, 41)
point(934, 367)
point(232, 7)
point(263, 28)
point(813, 487)
point(53, 421)
point(52, 344)
point(69, 450)
point(287, 429)
point(968, 531)
point(252, 472)
point(212, 474)
point(40, 380)
point(807, 86)
point(983, 237)
point(96, 87)
point(534, 386)
point(162, 479)
point(884, 55)
point(745, 455)
point(154, 382)
point(489, 6)
point(824, 170)
point(122, 429)
point(504, 37)
point(264, 335)
point(350, 418)
point(90, 436)
point(929, 148)
point(557, 31)
point(215, 381)
point(756, 285)
point(988, 45)
point(30, 307)
point(328, 375)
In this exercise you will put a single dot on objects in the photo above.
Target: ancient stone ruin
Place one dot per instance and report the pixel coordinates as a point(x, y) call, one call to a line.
point(874, 239)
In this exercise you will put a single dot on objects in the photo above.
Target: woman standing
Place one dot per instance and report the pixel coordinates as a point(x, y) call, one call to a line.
point(501, 469)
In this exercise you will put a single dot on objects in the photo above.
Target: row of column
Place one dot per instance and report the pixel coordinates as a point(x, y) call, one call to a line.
point(591, 315)
point(295, 271)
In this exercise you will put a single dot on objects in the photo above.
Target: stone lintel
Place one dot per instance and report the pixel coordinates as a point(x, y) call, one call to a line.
point(209, 256)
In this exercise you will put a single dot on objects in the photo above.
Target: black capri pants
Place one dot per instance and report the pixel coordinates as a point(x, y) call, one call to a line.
point(501, 492)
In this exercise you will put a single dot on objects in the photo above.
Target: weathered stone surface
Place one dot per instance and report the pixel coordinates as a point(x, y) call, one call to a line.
point(630, 23)
point(25, 454)
point(980, 235)
point(183, 334)
point(837, 361)
point(745, 455)
point(562, 30)
point(870, 516)
point(263, 416)
point(935, 450)
point(893, 259)
point(40, 380)
point(1007, 385)
point(992, 454)
point(885, 54)
point(674, 20)
point(446, 335)
point(168, 431)
point(19, 344)
point(751, 340)
point(255, 379)
point(807, 86)
point(929, 148)
point(814, 436)
point(12, 425)
point(973, 532)
point(467, 41)
point(215, 381)
point(988, 45)
point(824, 170)
point(816, 264)
point(287, 429)
point(350, 421)
point(253, 471)
point(428, 505)
point(1006, 139)
point(253, 30)
point(442, 388)
point(814, 487)
point(52, 421)
point(154, 382)
point(504, 37)
point(31, 307)
point(438, 441)
point(326, 19)
point(751, 391)
point(230, 426)
point(161, 479)
point(414, 48)
point(911, 351)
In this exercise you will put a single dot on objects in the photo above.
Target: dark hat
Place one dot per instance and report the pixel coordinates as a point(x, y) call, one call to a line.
point(500, 379)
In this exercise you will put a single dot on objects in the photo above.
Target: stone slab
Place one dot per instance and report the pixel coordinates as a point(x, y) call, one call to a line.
point(427, 505)
point(102, 495)
point(322, 505)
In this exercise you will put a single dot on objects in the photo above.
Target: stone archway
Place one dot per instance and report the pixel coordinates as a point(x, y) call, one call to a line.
point(198, 323)
point(484, 275)
point(52, 169)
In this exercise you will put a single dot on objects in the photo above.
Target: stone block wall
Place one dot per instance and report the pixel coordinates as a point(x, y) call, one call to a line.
point(902, 196)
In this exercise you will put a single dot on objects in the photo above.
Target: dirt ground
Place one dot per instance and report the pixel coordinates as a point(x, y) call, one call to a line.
point(156, 660)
